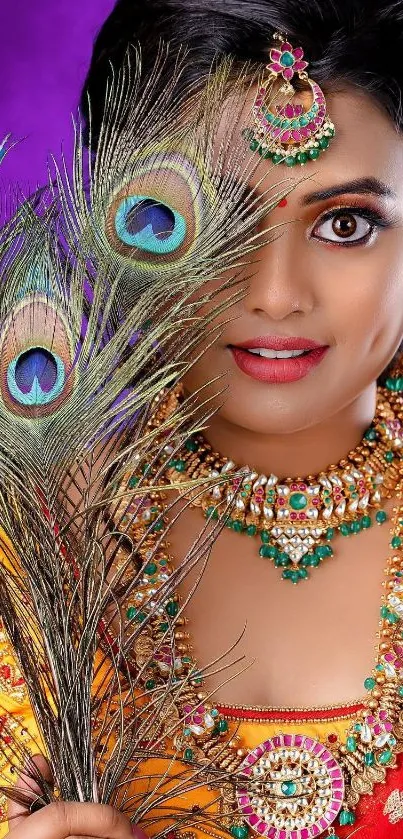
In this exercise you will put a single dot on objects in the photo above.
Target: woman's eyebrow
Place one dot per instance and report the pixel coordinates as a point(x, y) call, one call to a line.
point(365, 186)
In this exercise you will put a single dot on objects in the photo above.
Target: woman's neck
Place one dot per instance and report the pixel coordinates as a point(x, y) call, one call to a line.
point(299, 453)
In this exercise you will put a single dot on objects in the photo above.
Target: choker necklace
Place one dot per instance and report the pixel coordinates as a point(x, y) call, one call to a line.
point(297, 519)
point(291, 786)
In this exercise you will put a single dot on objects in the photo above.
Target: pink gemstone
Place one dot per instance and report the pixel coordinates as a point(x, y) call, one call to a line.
point(187, 709)
point(304, 132)
point(300, 740)
point(282, 834)
point(323, 823)
point(251, 759)
point(294, 834)
point(277, 68)
point(288, 739)
point(281, 502)
point(305, 833)
point(296, 135)
point(288, 73)
point(315, 501)
point(275, 55)
point(317, 749)
point(338, 795)
point(278, 741)
point(289, 111)
point(388, 726)
point(246, 770)
point(243, 800)
point(267, 745)
point(272, 833)
point(300, 65)
point(311, 126)
point(303, 487)
point(259, 751)
point(383, 715)
point(315, 830)
point(294, 486)
point(276, 132)
point(331, 764)
point(247, 811)
point(286, 47)
point(377, 729)
point(254, 820)
point(198, 720)
point(298, 52)
point(338, 785)
point(261, 828)
point(318, 122)
point(293, 516)
point(285, 136)
point(301, 516)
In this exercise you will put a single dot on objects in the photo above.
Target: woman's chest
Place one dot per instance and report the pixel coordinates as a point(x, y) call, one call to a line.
point(295, 645)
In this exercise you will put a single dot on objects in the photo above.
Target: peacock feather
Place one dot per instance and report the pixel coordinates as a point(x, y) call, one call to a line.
point(110, 285)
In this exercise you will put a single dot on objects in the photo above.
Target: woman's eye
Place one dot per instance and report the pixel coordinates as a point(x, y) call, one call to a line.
point(344, 227)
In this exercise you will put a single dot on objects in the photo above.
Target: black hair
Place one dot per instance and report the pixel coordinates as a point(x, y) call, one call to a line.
point(355, 43)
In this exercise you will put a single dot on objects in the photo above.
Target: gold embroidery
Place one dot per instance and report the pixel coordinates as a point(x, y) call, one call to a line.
point(394, 807)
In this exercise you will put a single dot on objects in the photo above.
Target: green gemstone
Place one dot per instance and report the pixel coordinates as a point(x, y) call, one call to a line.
point(400, 690)
point(150, 684)
point(172, 608)
point(287, 59)
point(305, 561)
point(324, 142)
point(265, 536)
point(239, 831)
point(133, 482)
point(314, 154)
point(251, 530)
point(237, 526)
point(385, 757)
point(159, 525)
point(286, 575)
point(396, 542)
point(302, 158)
point(370, 434)
point(302, 573)
point(150, 569)
point(277, 158)
point(180, 465)
point(265, 552)
point(356, 527)
point(288, 788)
point(290, 161)
point(330, 533)
point(298, 501)
point(324, 550)
point(254, 145)
point(211, 513)
point(303, 121)
point(140, 617)
point(188, 754)
point(267, 154)
point(351, 744)
point(222, 726)
point(163, 627)
point(369, 759)
point(393, 618)
point(381, 516)
point(131, 613)
point(344, 529)
point(315, 561)
point(294, 577)
point(399, 384)
point(282, 561)
point(191, 445)
point(369, 683)
point(346, 817)
point(366, 522)
point(384, 611)
point(389, 456)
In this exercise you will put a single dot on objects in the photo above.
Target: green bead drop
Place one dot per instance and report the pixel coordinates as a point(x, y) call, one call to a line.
point(381, 516)
point(369, 683)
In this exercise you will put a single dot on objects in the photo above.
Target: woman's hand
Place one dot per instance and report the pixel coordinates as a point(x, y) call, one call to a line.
point(66, 820)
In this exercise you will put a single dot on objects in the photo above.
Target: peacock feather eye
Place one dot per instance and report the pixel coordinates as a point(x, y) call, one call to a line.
point(145, 223)
point(156, 217)
point(36, 377)
point(36, 358)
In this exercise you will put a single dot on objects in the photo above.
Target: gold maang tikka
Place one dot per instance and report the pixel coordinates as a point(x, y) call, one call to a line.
point(290, 134)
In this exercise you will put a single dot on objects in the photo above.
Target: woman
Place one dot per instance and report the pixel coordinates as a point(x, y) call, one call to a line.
point(320, 326)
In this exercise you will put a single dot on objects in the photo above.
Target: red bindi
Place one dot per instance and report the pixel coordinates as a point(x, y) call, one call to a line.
point(283, 202)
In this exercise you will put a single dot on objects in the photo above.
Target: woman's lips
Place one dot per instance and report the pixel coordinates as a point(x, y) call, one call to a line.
point(277, 370)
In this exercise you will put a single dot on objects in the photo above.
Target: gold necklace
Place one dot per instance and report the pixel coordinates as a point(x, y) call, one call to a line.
point(296, 519)
point(290, 786)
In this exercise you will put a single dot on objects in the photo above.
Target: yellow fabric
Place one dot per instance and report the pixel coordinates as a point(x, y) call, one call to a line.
point(17, 722)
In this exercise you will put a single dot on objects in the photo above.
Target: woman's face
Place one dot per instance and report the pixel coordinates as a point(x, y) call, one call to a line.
point(333, 275)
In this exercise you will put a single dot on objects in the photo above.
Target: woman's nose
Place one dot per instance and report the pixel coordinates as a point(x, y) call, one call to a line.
point(280, 282)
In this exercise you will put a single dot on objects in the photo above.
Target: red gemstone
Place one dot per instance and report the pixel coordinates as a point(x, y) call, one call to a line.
point(332, 738)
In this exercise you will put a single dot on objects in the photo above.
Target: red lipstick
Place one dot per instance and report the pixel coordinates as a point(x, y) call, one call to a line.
point(278, 370)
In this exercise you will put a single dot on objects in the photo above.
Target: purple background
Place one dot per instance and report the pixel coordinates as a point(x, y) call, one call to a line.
point(45, 46)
